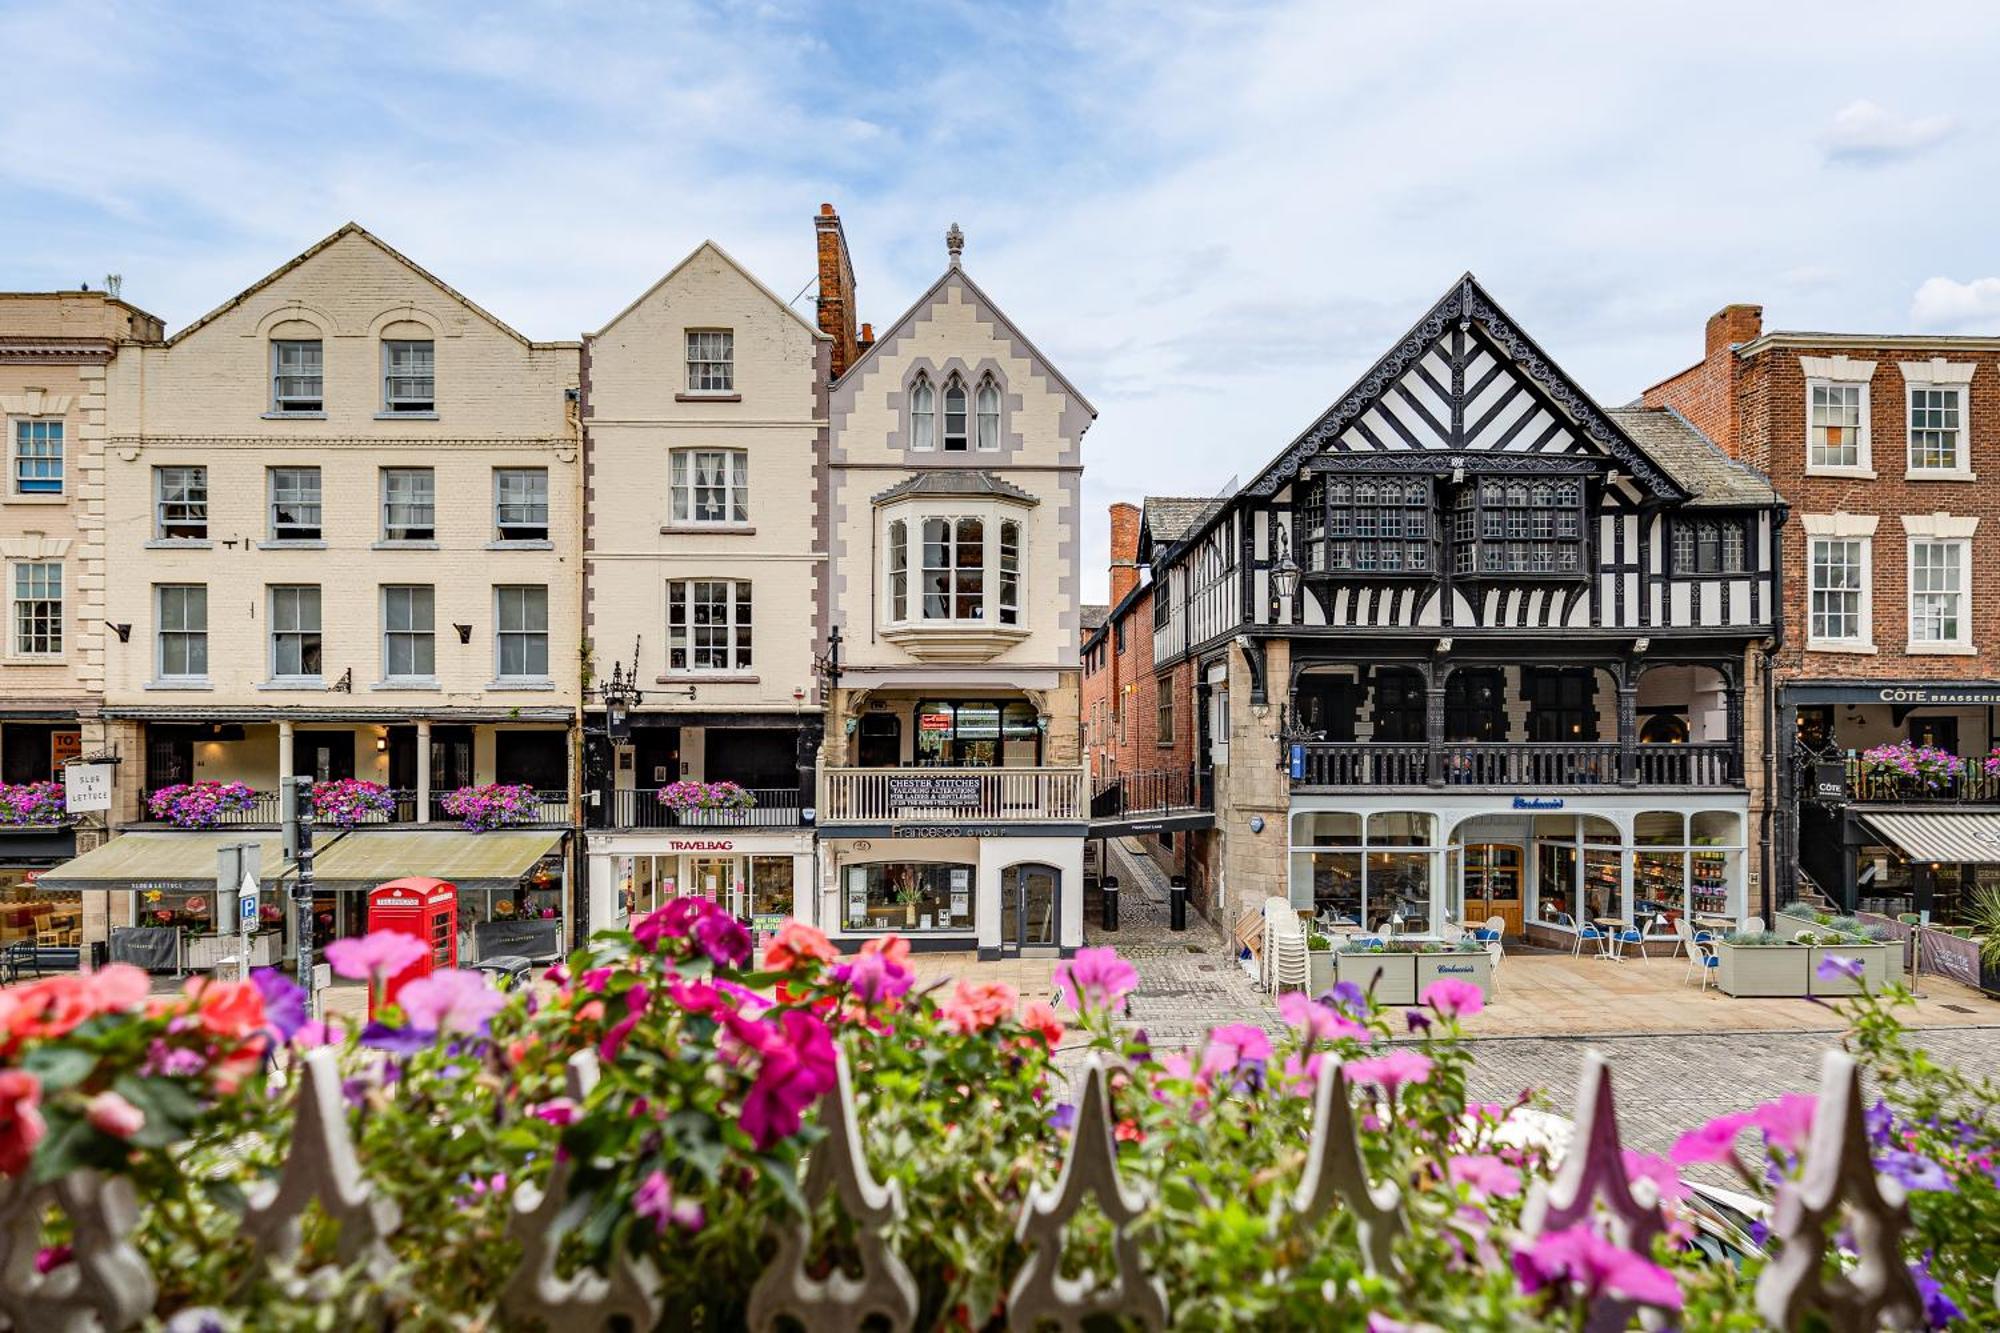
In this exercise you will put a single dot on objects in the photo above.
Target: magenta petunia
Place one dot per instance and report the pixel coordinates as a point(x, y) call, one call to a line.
point(378, 954)
point(1232, 1046)
point(1713, 1142)
point(1453, 998)
point(1096, 979)
point(1485, 1173)
point(451, 1001)
point(722, 937)
point(1787, 1121)
point(1579, 1258)
point(1315, 1021)
point(1390, 1071)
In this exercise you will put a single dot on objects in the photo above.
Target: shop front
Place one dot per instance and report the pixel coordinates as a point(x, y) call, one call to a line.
point(1542, 864)
point(174, 914)
point(755, 875)
point(1012, 894)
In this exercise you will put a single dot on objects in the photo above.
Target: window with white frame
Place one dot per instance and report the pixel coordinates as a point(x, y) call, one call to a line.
point(956, 439)
point(1836, 435)
point(899, 568)
point(409, 375)
point(923, 414)
point(180, 497)
point(952, 577)
point(295, 641)
point(409, 504)
point(1010, 572)
point(708, 625)
point(711, 360)
point(521, 642)
point(295, 504)
point(38, 457)
point(521, 503)
point(409, 638)
point(988, 405)
point(1937, 428)
point(710, 485)
point(181, 617)
point(298, 381)
point(1939, 574)
point(38, 608)
point(1838, 587)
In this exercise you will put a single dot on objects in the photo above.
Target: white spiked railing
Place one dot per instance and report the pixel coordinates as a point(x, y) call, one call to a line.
point(109, 1288)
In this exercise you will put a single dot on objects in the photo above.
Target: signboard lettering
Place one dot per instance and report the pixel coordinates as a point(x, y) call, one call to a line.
point(64, 747)
point(1830, 781)
point(700, 845)
point(1298, 762)
point(934, 722)
point(1936, 697)
point(87, 787)
point(933, 791)
point(1538, 802)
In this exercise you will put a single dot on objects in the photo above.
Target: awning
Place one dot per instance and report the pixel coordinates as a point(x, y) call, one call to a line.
point(180, 862)
point(1950, 837)
point(491, 860)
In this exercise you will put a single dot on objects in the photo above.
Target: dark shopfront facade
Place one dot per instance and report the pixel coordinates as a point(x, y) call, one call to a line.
point(1872, 840)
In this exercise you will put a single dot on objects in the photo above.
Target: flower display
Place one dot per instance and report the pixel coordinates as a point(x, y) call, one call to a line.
point(1909, 764)
point(200, 804)
point(376, 956)
point(497, 805)
point(1096, 979)
point(32, 804)
point(345, 802)
point(688, 794)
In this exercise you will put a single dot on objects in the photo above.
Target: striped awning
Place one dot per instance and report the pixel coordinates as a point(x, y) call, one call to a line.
point(1951, 837)
point(183, 861)
point(492, 860)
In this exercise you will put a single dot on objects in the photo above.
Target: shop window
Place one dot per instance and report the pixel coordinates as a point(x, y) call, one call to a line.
point(1399, 706)
point(771, 891)
point(1560, 705)
point(908, 897)
point(1383, 878)
point(1474, 707)
point(977, 733)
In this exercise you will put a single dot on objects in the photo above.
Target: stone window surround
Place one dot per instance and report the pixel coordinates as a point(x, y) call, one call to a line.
point(1943, 527)
point(35, 549)
point(1859, 527)
point(32, 405)
point(1938, 373)
point(971, 373)
point(1829, 370)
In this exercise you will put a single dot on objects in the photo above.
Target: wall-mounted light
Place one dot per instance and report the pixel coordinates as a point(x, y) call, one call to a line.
point(464, 632)
point(124, 632)
point(381, 744)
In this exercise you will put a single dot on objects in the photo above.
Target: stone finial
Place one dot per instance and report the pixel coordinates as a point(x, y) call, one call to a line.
point(107, 1286)
point(1335, 1170)
point(954, 244)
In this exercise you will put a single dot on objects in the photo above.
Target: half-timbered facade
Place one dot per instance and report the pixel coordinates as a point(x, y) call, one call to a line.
point(1490, 646)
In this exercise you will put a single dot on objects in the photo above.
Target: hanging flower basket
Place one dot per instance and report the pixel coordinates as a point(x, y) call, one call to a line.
point(350, 801)
point(688, 795)
point(200, 804)
point(1912, 767)
point(32, 804)
point(498, 805)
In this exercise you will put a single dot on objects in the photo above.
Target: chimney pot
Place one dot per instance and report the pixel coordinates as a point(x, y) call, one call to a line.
point(826, 210)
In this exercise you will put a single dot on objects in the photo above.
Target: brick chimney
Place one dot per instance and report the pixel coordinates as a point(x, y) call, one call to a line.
point(836, 289)
point(1124, 550)
point(1707, 393)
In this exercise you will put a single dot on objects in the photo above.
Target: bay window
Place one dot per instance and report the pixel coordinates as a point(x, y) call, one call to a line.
point(953, 574)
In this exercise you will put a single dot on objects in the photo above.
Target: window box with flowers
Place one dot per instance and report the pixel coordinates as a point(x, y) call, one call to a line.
point(1904, 767)
point(32, 805)
point(495, 806)
point(200, 804)
point(708, 802)
point(346, 802)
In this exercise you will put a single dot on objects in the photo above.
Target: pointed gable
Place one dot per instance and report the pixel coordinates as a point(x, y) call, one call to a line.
point(727, 259)
point(1466, 380)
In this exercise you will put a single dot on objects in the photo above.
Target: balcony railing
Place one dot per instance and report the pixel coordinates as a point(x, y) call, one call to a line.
point(1973, 786)
point(551, 807)
point(640, 808)
point(1154, 791)
point(1513, 764)
point(951, 795)
point(266, 809)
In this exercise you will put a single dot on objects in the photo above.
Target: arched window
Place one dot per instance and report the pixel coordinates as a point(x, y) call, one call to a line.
point(955, 440)
point(923, 414)
point(989, 414)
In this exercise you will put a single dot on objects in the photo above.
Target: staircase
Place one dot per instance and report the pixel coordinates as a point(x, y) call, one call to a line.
point(1805, 890)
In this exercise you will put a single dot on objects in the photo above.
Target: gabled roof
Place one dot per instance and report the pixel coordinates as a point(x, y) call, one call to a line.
point(1171, 517)
point(1464, 306)
point(728, 259)
point(956, 481)
point(957, 274)
point(1093, 615)
point(356, 229)
point(1697, 464)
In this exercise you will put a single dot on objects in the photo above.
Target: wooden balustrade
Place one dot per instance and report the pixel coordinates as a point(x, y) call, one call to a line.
point(1513, 764)
point(951, 795)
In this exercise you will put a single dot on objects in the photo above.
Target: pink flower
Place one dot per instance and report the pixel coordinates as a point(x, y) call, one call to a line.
point(797, 1067)
point(1096, 978)
point(556, 1111)
point(21, 1123)
point(1453, 998)
point(975, 1007)
point(1316, 1022)
point(109, 1113)
point(450, 1001)
point(378, 954)
point(1787, 1121)
point(875, 977)
point(1232, 1046)
point(672, 921)
point(636, 1000)
point(1487, 1174)
point(1390, 1071)
point(722, 937)
point(655, 1199)
point(1646, 1166)
point(1713, 1142)
point(1579, 1258)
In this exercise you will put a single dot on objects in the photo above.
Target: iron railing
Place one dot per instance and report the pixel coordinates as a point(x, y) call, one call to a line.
point(640, 808)
point(1155, 791)
point(1513, 764)
point(951, 795)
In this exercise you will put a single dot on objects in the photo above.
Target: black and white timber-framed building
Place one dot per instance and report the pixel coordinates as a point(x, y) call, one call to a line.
point(1494, 650)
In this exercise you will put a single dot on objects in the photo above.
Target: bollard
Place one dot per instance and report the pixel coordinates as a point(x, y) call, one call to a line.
point(1177, 902)
point(1107, 896)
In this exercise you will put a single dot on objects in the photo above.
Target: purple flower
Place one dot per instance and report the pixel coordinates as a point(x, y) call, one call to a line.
point(1835, 967)
point(1417, 1019)
point(875, 978)
point(395, 1041)
point(722, 937)
point(655, 1199)
point(1939, 1308)
point(1881, 1123)
point(284, 1001)
point(1914, 1171)
point(1063, 1118)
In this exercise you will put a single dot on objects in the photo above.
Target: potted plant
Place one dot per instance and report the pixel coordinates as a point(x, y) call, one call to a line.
point(497, 805)
point(1761, 963)
point(345, 802)
point(32, 804)
point(724, 799)
point(1911, 768)
point(1320, 974)
point(1843, 937)
point(1466, 959)
point(200, 804)
point(909, 896)
point(1984, 918)
point(1390, 976)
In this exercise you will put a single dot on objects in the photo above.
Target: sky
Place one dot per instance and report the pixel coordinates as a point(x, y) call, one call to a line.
point(1213, 217)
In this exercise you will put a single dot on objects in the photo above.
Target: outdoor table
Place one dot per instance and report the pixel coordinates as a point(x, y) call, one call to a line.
point(1715, 922)
point(1614, 928)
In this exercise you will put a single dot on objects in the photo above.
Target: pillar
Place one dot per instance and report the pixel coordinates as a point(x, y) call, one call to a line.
point(1628, 728)
point(423, 770)
point(284, 752)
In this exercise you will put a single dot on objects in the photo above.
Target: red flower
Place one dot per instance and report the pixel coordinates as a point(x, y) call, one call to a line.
point(1128, 1131)
point(1040, 1018)
point(794, 942)
point(977, 1007)
point(227, 1010)
point(21, 1124)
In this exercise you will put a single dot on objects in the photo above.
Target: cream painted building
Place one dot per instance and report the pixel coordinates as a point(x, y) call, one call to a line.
point(952, 804)
point(56, 349)
point(705, 436)
point(343, 517)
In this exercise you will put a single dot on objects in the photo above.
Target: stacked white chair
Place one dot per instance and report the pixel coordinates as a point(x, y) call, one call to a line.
point(1285, 960)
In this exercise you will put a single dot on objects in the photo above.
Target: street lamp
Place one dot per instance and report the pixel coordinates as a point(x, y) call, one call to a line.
point(621, 693)
point(1284, 570)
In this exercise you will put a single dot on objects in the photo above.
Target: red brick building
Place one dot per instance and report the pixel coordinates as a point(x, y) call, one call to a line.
point(1886, 447)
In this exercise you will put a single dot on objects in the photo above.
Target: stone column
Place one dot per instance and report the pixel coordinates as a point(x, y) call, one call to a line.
point(423, 770)
point(1434, 677)
point(1628, 729)
point(284, 753)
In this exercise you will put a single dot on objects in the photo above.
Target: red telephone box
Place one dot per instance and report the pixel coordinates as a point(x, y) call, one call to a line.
point(426, 908)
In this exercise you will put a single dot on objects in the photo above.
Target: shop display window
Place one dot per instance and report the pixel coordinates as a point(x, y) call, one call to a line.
point(908, 897)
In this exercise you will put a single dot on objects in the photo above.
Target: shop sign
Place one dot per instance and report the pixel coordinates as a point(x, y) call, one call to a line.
point(1538, 802)
point(87, 787)
point(700, 845)
point(64, 746)
point(934, 722)
point(1830, 781)
point(946, 831)
point(1297, 762)
point(1935, 698)
point(933, 791)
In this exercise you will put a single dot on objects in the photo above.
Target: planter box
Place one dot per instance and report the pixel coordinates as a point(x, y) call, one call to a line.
point(1397, 973)
point(1874, 960)
point(1321, 974)
point(1763, 969)
point(205, 952)
point(1476, 968)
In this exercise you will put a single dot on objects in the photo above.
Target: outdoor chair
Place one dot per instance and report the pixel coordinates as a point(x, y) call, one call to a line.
point(1592, 934)
point(1683, 936)
point(1451, 932)
point(1495, 928)
point(1631, 935)
point(1704, 958)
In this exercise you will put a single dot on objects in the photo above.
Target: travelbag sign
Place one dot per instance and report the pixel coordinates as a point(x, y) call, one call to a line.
point(932, 792)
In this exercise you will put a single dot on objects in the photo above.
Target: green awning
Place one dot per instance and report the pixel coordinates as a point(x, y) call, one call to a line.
point(178, 862)
point(492, 860)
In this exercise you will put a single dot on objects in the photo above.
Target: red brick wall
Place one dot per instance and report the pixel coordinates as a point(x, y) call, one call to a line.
point(1706, 393)
point(1124, 553)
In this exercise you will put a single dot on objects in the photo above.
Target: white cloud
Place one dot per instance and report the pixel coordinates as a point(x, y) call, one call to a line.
point(1946, 305)
point(1867, 134)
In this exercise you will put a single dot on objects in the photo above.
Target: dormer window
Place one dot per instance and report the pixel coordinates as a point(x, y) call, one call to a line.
point(989, 414)
point(956, 440)
point(923, 415)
